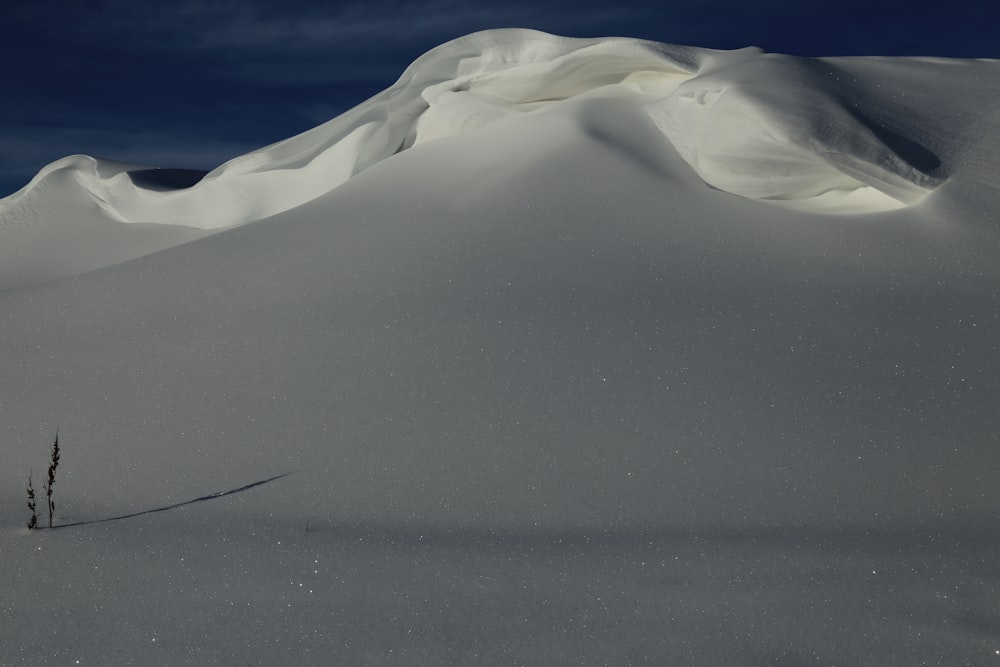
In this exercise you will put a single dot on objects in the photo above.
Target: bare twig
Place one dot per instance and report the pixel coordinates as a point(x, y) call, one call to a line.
point(33, 521)
point(52, 477)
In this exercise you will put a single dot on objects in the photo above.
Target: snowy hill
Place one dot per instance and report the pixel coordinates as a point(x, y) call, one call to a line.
point(595, 334)
point(835, 135)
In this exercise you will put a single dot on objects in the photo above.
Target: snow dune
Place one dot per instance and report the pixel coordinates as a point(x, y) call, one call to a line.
point(794, 132)
point(557, 351)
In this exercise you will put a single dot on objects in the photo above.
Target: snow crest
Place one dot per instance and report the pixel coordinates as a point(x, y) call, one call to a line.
point(766, 127)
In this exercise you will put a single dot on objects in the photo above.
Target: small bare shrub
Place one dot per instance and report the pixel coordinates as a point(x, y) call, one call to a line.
point(33, 521)
point(53, 464)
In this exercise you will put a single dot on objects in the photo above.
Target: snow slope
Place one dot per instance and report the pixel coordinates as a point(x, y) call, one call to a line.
point(572, 351)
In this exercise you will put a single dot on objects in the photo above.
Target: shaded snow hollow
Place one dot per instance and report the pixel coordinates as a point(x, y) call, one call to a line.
point(576, 351)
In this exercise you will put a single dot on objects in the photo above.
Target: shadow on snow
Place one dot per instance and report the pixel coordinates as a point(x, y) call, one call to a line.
point(211, 496)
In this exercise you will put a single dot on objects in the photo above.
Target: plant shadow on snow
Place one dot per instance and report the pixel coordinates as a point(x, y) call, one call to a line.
point(165, 180)
point(211, 496)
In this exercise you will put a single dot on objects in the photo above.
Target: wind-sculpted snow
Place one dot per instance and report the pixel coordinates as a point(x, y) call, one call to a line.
point(788, 130)
point(557, 382)
point(774, 128)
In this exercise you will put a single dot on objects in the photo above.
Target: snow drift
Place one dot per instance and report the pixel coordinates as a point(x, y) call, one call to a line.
point(804, 133)
point(512, 257)
point(540, 312)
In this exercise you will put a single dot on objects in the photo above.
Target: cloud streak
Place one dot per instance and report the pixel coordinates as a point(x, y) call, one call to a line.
point(302, 41)
point(362, 26)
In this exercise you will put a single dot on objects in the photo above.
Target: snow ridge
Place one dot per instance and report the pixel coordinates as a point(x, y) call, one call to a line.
point(767, 127)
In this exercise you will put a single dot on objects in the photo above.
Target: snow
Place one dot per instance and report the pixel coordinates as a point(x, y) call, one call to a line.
point(558, 351)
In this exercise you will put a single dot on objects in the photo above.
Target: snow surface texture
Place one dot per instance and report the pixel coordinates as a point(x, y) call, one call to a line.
point(545, 396)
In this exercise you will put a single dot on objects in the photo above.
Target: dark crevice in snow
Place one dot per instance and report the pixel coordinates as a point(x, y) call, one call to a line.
point(165, 180)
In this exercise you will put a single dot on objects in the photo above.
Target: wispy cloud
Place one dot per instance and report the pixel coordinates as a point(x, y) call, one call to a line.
point(306, 40)
point(381, 25)
point(375, 42)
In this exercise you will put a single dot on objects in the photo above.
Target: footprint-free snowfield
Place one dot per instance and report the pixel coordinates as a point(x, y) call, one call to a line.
point(557, 351)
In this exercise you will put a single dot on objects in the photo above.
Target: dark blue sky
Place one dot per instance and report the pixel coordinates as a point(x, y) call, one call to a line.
point(191, 84)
